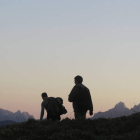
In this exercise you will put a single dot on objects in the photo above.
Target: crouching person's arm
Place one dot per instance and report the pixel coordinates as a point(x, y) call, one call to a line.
point(42, 112)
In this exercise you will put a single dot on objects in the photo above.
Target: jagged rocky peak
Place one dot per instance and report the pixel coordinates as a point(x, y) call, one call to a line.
point(17, 116)
point(18, 112)
point(27, 115)
point(136, 108)
point(5, 112)
point(119, 110)
point(120, 105)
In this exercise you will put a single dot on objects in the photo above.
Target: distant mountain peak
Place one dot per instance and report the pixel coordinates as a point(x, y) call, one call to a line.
point(17, 116)
point(136, 108)
point(18, 112)
point(119, 110)
point(120, 105)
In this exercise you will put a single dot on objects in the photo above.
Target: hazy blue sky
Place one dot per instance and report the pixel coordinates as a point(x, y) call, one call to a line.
point(44, 44)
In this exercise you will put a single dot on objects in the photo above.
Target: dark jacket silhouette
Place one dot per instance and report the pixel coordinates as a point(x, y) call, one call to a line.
point(77, 92)
point(51, 113)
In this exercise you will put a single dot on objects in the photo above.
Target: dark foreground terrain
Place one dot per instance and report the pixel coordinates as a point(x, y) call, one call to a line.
point(6, 122)
point(122, 128)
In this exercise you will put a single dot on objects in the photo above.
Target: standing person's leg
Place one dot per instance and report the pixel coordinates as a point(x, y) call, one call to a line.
point(56, 118)
point(79, 115)
point(83, 114)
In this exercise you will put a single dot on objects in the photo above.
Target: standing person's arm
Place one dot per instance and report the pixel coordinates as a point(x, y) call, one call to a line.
point(90, 104)
point(42, 112)
point(72, 94)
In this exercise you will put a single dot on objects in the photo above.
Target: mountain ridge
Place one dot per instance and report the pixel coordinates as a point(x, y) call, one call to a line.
point(17, 116)
point(119, 110)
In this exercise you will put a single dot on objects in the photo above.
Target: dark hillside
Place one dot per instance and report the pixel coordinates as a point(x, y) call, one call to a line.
point(2, 123)
point(122, 128)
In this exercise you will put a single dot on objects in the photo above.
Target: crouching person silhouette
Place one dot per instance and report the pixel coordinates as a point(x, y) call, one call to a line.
point(81, 99)
point(53, 106)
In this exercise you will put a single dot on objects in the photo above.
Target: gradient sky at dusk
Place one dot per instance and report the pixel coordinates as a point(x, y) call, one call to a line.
point(44, 44)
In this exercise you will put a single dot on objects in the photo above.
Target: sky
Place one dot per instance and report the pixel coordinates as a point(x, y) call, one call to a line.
point(44, 44)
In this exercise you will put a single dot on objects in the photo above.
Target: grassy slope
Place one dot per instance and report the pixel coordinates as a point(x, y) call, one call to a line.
point(122, 128)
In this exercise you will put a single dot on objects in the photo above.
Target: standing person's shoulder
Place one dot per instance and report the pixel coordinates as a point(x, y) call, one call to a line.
point(86, 89)
point(74, 89)
point(80, 86)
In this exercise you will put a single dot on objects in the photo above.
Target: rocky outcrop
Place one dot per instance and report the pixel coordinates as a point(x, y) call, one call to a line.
point(17, 116)
point(119, 110)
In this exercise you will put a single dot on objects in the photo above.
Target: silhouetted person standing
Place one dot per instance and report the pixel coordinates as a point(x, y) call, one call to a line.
point(81, 99)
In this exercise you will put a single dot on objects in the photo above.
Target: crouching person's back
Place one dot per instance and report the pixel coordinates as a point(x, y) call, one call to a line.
point(52, 106)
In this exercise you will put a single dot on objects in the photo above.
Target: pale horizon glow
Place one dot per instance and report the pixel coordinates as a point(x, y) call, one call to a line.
point(45, 44)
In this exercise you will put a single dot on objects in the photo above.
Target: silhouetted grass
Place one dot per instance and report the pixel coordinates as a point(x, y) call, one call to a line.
point(122, 128)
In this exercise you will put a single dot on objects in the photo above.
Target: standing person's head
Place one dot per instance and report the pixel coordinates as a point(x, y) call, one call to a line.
point(44, 95)
point(78, 80)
